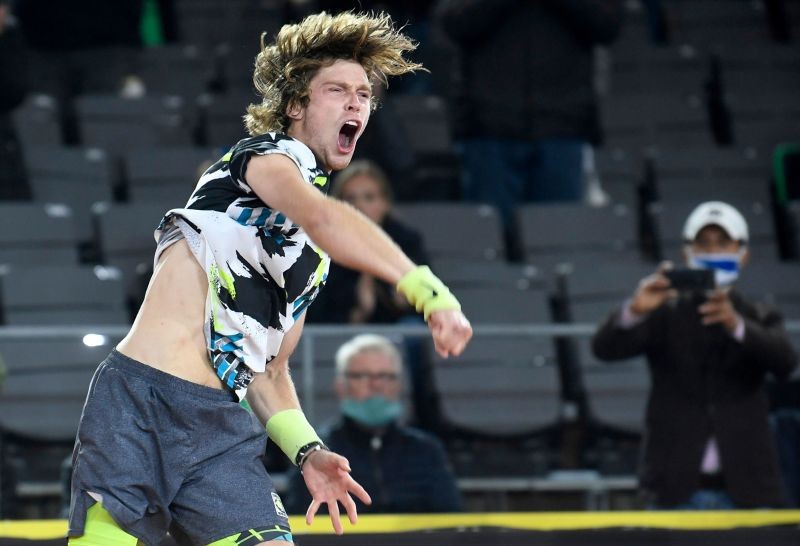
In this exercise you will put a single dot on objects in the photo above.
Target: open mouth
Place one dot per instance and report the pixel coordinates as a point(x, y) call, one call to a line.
point(347, 136)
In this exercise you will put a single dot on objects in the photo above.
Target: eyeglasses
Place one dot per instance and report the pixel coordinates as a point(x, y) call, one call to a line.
point(367, 196)
point(386, 377)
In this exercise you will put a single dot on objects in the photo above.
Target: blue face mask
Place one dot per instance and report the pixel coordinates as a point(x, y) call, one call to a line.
point(725, 266)
point(375, 411)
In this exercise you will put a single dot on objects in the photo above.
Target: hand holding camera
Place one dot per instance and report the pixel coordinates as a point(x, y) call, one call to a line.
point(652, 291)
point(668, 282)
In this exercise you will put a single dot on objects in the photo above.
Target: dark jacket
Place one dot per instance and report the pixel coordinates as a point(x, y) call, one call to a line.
point(338, 297)
point(405, 470)
point(705, 383)
point(527, 67)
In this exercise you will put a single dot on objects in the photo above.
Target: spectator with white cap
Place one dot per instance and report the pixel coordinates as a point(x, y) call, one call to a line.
point(708, 443)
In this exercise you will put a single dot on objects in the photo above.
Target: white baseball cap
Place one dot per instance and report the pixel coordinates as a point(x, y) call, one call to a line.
point(716, 213)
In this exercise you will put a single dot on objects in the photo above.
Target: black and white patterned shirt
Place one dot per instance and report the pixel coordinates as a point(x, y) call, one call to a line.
point(263, 269)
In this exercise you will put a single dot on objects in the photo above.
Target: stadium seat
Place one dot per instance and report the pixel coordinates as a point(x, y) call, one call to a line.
point(117, 124)
point(166, 176)
point(37, 121)
point(500, 305)
point(426, 121)
point(77, 177)
point(553, 233)
point(32, 234)
point(617, 393)
point(43, 395)
point(774, 283)
point(124, 235)
point(61, 295)
point(221, 120)
point(456, 231)
point(499, 399)
point(183, 70)
point(456, 275)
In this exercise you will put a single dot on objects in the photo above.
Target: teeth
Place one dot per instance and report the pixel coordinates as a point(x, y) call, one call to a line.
point(353, 123)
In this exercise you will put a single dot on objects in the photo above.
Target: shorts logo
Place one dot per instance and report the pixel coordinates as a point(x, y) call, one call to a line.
point(278, 505)
point(252, 537)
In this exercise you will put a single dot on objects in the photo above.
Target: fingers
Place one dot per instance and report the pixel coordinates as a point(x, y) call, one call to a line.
point(451, 332)
point(663, 267)
point(312, 511)
point(717, 296)
point(713, 318)
point(333, 510)
point(355, 488)
point(716, 310)
point(350, 508)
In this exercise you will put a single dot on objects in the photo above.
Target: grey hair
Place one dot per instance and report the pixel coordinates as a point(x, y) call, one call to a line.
point(363, 343)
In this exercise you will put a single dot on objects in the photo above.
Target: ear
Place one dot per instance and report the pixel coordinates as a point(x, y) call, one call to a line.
point(745, 258)
point(338, 386)
point(294, 111)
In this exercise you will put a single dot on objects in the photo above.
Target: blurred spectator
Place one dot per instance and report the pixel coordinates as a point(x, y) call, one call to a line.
point(357, 298)
point(708, 443)
point(405, 470)
point(354, 297)
point(525, 101)
point(13, 87)
point(82, 46)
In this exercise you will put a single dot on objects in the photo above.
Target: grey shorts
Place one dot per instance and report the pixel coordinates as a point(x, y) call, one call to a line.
point(168, 454)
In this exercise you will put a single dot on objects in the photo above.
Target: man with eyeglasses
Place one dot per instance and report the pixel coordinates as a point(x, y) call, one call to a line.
point(405, 469)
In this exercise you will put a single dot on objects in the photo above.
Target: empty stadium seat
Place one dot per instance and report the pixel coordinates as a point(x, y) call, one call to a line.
point(637, 122)
point(617, 393)
point(221, 118)
point(33, 234)
point(40, 407)
point(117, 124)
point(209, 23)
point(499, 399)
point(774, 283)
point(457, 274)
point(456, 231)
point(710, 23)
point(501, 305)
point(426, 121)
point(184, 70)
point(37, 121)
point(77, 177)
point(61, 295)
point(500, 384)
point(553, 233)
point(166, 176)
point(124, 235)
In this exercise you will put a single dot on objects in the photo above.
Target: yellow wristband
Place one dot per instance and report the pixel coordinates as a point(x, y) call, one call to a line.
point(291, 431)
point(426, 292)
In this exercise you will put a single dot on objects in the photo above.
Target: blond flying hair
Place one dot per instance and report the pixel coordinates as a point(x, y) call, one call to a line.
point(284, 69)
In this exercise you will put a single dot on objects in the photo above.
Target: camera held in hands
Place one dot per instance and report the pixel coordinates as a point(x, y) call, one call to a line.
point(685, 279)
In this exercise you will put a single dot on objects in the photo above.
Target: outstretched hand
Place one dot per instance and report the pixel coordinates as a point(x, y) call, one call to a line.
point(327, 476)
point(450, 330)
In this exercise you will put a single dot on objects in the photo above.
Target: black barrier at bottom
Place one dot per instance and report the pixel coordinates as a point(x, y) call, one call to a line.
point(771, 536)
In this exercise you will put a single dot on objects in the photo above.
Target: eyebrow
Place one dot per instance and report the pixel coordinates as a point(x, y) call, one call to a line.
point(361, 86)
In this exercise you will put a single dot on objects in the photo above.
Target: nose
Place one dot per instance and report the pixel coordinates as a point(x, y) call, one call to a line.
point(353, 102)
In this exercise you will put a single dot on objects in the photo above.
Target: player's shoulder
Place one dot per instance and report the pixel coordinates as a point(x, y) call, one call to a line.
point(275, 142)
